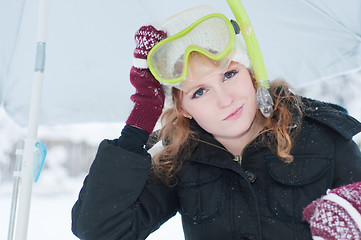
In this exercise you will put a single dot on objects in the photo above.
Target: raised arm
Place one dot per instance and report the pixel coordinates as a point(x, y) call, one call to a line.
point(118, 199)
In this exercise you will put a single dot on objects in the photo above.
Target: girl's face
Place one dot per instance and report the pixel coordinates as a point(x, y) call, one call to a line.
point(221, 99)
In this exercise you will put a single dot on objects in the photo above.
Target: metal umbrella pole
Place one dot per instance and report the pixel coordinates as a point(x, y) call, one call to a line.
point(24, 171)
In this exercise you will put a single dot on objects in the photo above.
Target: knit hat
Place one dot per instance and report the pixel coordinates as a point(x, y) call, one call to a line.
point(184, 19)
point(337, 215)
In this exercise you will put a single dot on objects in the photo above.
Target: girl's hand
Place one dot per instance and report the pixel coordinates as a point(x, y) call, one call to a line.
point(149, 96)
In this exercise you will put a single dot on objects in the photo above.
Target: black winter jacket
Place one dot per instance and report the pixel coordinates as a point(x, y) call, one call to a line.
point(263, 198)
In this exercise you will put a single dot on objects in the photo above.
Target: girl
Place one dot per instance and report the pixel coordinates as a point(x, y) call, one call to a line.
point(233, 167)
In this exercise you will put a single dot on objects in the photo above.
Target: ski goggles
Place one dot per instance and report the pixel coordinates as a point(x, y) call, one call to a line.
point(212, 35)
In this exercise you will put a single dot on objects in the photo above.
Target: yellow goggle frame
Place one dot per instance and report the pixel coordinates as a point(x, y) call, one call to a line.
point(162, 68)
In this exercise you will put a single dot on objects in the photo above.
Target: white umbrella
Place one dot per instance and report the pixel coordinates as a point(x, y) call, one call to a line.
point(90, 43)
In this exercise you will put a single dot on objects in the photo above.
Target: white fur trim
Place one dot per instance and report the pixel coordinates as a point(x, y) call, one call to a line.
point(157, 148)
point(317, 238)
point(355, 215)
point(140, 63)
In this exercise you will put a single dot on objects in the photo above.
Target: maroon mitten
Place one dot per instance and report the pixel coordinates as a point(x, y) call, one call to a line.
point(149, 96)
point(337, 215)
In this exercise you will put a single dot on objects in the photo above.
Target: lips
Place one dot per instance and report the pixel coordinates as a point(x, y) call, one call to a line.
point(235, 115)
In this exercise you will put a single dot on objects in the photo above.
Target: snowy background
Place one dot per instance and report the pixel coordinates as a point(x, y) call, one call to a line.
point(71, 149)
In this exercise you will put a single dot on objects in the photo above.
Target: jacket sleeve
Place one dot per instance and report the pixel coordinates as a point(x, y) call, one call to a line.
point(117, 200)
point(347, 164)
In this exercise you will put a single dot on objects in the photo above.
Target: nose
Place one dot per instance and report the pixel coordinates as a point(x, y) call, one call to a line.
point(224, 98)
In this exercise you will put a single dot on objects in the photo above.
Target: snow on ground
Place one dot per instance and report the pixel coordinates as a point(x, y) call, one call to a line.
point(55, 193)
point(51, 208)
point(49, 214)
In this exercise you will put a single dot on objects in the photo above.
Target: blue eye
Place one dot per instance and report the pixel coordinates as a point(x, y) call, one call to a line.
point(198, 93)
point(229, 74)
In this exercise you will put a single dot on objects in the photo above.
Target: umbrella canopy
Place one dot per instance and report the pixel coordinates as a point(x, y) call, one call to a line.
point(90, 44)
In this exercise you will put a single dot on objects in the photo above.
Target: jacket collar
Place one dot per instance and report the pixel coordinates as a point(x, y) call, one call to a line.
point(332, 116)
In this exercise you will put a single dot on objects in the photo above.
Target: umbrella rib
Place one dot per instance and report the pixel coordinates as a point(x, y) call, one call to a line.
point(9, 69)
point(147, 10)
point(357, 36)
